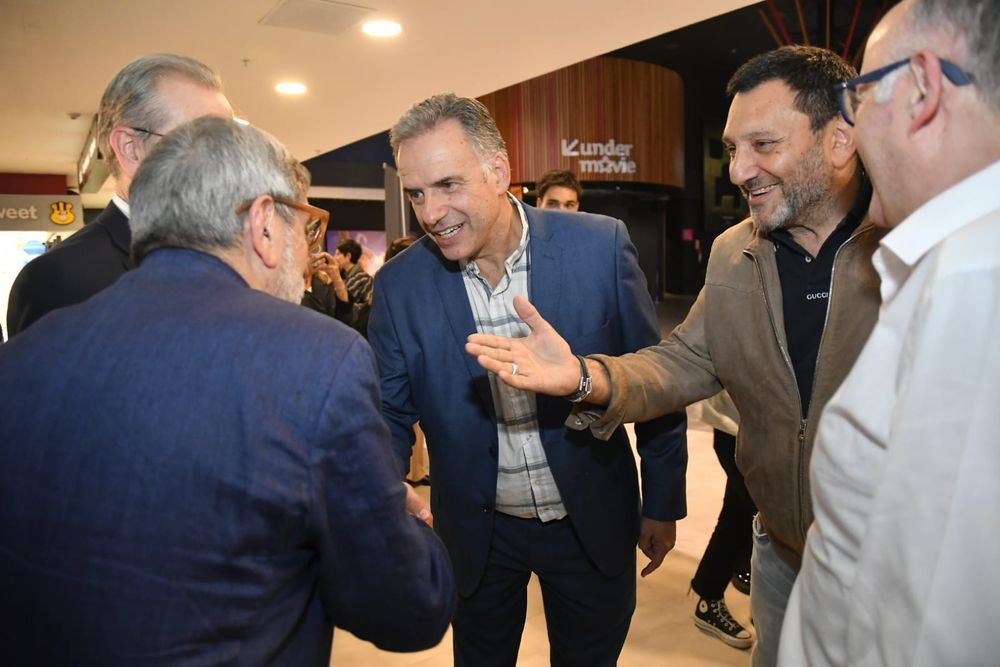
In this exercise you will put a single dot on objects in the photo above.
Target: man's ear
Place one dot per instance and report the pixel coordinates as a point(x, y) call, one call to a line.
point(501, 167)
point(928, 83)
point(128, 149)
point(840, 139)
point(262, 226)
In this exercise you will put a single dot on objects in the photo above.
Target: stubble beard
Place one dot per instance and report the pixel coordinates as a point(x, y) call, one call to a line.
point(803, 191)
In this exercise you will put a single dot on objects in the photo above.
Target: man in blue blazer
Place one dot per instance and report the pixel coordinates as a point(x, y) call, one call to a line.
point(514, 490)
point(193, 471)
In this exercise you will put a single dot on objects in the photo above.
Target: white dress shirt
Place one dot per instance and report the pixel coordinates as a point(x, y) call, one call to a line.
point(902, 562)
point(122, 205)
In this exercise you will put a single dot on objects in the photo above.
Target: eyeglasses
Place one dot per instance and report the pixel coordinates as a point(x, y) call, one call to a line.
point(144, 130)
point(849, 92)
point(315, 225)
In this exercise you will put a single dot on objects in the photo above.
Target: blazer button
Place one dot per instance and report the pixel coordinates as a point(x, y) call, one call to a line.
point(486, 509)
point(493, 451)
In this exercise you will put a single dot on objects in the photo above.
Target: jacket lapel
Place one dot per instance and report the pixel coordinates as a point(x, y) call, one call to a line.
point(546, 281)
point(455, 301)
point(545, 291)
point(761, 250)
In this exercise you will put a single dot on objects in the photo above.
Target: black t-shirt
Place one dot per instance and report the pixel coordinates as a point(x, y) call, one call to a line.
point(805, 292)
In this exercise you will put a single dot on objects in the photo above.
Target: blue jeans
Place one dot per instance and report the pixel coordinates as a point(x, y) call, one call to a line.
point(771, 581)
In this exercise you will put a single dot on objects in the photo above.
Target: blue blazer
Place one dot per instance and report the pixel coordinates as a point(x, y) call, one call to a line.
point(194, 472)
point(585, 280)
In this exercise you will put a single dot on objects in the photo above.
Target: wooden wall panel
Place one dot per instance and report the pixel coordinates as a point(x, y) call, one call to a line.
point(570, 119)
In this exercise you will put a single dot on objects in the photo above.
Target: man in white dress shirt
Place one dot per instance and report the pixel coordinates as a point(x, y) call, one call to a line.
point(900, 563)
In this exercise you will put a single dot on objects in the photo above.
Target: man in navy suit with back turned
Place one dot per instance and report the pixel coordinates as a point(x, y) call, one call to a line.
point(515, 491)
point(193, 471)
point(145, 100)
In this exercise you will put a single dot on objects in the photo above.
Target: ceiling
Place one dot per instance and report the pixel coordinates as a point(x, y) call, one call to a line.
point(56, 57)
point(706, 54)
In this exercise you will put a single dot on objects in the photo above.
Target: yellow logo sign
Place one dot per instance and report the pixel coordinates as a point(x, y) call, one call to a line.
point(62, 213)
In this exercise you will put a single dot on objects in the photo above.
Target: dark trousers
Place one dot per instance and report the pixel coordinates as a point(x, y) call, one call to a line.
point(587, 614)
point(729, 548)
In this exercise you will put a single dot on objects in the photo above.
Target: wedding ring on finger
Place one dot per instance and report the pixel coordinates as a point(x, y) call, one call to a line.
point(513, 368)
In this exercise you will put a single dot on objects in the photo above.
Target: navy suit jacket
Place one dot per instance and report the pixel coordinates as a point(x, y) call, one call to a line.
point(194, 472)
point(76, 269)
point(585, 280)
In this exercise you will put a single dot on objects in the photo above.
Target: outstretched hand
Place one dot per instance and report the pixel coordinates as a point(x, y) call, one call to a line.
point(541, 362)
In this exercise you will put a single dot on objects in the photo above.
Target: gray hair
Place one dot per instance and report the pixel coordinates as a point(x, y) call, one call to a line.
point(131, 98)
point(470, 113)
point(186, 192)
point(977, 25)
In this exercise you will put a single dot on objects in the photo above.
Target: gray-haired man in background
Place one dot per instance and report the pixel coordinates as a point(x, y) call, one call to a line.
point(146, 99)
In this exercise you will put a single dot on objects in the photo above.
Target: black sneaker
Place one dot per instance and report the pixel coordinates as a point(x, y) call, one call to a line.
point(741, 582)
point(713, 618)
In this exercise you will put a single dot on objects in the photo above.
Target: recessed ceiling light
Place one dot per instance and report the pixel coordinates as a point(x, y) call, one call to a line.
point(382, 28)
point(291, 88)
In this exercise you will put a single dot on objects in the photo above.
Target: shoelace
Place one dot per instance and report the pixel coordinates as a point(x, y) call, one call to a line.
point(722, 613)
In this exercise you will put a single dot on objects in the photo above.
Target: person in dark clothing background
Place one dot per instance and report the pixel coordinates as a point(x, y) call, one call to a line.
point(327, 293)
point(359, 283)
point(727, 556)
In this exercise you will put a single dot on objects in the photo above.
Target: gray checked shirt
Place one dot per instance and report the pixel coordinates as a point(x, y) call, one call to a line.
point(525, 486)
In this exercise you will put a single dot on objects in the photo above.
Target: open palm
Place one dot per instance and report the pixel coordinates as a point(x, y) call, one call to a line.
point(543, 360)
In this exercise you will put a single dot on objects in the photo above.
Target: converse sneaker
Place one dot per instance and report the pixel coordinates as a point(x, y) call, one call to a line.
point(713, 618)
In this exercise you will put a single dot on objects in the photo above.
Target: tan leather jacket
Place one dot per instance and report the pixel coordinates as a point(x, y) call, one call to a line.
point(734, 337)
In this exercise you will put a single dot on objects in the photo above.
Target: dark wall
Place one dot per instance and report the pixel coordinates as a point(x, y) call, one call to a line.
point(357, 165)
point(353, 213)
point(645, 216)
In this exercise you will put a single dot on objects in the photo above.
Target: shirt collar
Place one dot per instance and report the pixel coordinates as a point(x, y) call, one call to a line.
point(122, 205)
point(523, 245)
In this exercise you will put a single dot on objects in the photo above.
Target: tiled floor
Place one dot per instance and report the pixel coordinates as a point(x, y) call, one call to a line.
point(662, 631)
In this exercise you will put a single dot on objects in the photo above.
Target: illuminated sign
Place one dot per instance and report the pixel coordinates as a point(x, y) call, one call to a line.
point(600, 157)
point(41, 213)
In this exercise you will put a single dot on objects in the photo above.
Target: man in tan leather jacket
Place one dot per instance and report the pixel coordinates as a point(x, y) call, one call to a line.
point(790, 297)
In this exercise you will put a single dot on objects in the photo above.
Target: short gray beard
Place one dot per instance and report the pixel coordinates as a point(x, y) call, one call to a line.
point(806, 188)
point(291, 285)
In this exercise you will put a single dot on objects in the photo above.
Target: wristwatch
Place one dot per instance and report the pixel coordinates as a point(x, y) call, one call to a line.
point(586, 383)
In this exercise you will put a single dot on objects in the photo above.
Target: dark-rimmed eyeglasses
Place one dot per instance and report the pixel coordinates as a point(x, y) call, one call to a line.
point(315, 225)
point(849, 92)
